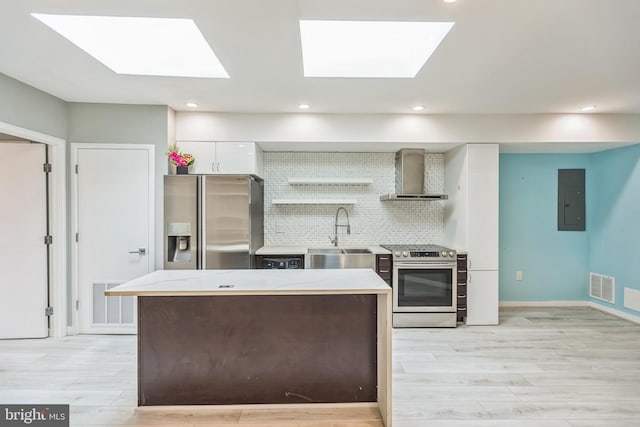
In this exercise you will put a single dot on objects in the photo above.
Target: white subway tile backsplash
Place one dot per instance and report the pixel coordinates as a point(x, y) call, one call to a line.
point(372, 221)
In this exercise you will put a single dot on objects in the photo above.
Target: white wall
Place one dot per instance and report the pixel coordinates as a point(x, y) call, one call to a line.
point(370, 132)
point(372, 221)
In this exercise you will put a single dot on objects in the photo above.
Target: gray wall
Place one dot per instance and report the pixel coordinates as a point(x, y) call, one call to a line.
point(24, 106)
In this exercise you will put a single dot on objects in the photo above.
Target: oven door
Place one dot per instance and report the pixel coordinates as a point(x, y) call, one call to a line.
point(424, 287)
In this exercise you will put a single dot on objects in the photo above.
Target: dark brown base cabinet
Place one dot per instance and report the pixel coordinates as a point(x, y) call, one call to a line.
point(245, 337)
point(257, 349)
point(462, 287)
point(384, 265)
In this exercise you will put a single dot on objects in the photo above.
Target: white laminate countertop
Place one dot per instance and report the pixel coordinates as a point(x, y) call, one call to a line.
point(301, 250)
point(253, 282)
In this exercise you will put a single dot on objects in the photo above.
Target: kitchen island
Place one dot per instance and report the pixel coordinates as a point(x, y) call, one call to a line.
point(271, 337)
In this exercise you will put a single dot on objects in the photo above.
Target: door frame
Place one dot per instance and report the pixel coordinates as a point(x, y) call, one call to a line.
point(75, 147)
point(58, 226)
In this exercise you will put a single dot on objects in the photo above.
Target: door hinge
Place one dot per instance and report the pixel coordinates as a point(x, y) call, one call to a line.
point(48, 311)
point(77, 304)
point(48, 239)
point(76, 168)
point(46, 167)
point(77, 237)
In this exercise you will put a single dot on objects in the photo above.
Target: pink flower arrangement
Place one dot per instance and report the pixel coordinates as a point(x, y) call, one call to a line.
point(179, 159)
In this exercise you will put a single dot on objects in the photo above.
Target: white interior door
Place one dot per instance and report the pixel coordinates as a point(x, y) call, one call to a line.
point(23, 254)
point(115, 237)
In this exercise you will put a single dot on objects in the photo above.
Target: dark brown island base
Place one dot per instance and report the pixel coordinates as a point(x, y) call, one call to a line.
point(272, 337)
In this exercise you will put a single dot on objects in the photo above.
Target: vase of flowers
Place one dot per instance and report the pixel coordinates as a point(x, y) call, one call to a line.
point(179, 162)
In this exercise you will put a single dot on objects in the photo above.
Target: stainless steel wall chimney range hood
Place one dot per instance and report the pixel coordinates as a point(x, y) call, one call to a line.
point(410, 177)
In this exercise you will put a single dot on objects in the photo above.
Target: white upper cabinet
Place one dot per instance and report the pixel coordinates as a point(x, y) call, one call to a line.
point(204, 154)
point(239, 157)
point(224, 157)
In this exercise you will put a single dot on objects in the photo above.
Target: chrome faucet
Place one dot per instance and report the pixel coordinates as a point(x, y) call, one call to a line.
point(334, 240)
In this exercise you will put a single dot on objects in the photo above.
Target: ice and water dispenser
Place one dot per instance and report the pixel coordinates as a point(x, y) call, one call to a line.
point(179, 241)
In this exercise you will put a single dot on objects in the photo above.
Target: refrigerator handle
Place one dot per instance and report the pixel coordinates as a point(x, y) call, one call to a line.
point(202, 232)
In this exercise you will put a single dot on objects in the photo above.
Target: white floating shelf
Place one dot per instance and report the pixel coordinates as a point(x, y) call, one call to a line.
point(330, 181)
point(313, 202)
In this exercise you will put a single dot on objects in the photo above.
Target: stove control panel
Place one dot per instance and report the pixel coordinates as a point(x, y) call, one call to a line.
point(424, 254)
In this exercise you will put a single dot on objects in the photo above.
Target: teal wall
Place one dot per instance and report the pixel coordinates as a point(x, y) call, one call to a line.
point(615, 213)
point(554, 263)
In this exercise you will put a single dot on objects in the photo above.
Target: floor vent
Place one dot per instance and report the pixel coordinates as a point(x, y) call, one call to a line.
point(111, 310)
point(602, 287)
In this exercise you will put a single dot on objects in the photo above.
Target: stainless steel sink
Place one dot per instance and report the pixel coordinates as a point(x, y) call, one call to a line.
point(357, 251)
point(322, 251)
point(339, 258)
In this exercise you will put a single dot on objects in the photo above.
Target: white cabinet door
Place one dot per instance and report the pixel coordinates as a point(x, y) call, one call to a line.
point(456, 208)
point(483, 206)
point(482, 298)
point(236, 157)
point(204, 153)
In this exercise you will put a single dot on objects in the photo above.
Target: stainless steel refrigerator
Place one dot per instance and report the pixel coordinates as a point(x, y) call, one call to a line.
point(212, 221)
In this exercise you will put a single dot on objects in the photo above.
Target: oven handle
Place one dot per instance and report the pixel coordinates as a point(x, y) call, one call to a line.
point(416, 265)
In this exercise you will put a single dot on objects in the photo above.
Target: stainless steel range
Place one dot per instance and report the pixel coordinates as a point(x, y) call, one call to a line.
point(424, 286)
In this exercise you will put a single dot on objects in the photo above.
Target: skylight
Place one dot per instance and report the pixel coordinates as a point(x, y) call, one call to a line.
point(368, 48)
point(141, 46)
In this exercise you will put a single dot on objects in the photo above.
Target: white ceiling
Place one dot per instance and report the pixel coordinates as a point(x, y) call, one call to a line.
point(502, 56)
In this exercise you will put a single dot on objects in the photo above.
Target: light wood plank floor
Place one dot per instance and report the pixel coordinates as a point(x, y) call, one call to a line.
point(551, 367)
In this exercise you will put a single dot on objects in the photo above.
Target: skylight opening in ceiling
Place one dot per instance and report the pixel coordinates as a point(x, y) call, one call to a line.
point(140, 46)
point(375, 49)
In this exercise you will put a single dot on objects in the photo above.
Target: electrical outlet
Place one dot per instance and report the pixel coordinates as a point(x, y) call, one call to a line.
point(518, 275)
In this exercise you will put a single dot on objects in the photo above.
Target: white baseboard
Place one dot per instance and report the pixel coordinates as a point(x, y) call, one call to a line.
point(544, 303)
point(626, 316)
point(623, 315)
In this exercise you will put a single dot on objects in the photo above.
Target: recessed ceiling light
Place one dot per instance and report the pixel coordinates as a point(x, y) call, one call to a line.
point(303, 106)
point(140, 46)
point(418, 108)
point(368, 48)
point(449, 1)
point(192, 104)
point(588, 108)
